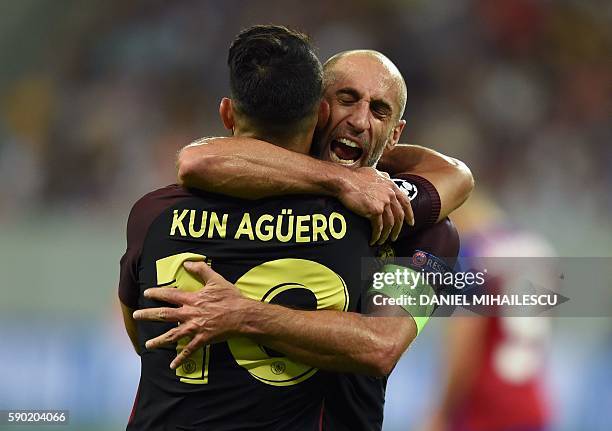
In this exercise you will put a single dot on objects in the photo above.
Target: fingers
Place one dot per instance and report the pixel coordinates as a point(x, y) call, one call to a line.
point(162, 314)
point(377, 227)
point(201, 269)
point(170, 337)
point(169, 294)
point(197, 342)
point(398, 216)
point(406, 206)
point(388, 222)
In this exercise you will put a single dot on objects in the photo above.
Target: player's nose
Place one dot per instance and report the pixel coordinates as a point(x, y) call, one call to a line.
point(359, 117)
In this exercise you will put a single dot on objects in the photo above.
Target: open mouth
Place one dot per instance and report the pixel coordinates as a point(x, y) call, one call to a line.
point(345, 151)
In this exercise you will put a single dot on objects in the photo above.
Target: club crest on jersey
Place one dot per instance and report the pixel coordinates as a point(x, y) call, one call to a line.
point(409, 189)
point(278, 367)
point(189, 366)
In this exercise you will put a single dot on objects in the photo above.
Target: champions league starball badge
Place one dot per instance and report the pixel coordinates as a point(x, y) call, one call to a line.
point(407, 188)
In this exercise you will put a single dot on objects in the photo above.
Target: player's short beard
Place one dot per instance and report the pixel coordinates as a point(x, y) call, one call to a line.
point(375, 156)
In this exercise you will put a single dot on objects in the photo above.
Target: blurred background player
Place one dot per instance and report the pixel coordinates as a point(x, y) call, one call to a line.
point(495, 366)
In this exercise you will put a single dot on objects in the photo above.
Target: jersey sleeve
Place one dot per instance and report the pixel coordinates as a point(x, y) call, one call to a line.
point(142, 215)
point(424, 199)
point(128, 265)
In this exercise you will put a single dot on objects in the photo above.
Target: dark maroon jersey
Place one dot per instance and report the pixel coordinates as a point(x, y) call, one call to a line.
point(357, 402)
point(301, 251)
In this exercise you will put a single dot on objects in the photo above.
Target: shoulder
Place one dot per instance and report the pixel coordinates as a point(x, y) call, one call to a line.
point(146, 209)
point(162, 196)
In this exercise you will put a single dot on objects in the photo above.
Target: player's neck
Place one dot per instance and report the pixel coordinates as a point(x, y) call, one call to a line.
point(298, 143)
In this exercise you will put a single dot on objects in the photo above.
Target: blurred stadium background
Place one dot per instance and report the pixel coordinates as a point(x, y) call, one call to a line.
point(96, 97)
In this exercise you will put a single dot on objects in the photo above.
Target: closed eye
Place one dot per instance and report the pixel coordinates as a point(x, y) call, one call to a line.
point(381, 109)
point(347, 95)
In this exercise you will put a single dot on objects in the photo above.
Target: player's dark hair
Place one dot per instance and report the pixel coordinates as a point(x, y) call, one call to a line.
point(275, 77)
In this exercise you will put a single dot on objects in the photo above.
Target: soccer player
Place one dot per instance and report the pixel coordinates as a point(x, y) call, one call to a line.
point(355, 105)
point(283, 251)
point(494, 364)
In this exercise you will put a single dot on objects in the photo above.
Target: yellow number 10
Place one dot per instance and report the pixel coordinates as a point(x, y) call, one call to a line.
point(263, 283)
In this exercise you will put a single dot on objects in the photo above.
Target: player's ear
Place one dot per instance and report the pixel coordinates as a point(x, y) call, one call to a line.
point(323, 115)
point(395, 134)
point(226, 112)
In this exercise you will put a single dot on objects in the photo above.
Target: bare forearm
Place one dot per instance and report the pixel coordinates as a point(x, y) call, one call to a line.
point(332, 340)
point(252, 169)
point(414, 159)
point(451, 177)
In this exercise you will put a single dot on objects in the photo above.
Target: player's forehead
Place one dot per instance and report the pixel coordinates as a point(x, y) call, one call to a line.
point(371, 77)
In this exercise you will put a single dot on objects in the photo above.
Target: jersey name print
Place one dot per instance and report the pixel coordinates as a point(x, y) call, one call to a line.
point(283, 226)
